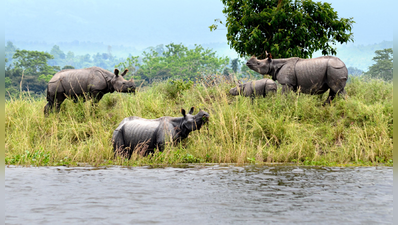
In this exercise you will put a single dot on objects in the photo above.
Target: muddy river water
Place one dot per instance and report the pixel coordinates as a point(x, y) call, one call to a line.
point(199, 195)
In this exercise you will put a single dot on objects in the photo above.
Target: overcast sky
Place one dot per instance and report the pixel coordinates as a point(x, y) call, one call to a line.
point(152, 22)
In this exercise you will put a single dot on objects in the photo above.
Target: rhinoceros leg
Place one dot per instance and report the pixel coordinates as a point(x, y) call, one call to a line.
point(48, 108)
point(330, 98)
point(119, 145)
point(59, 98)
point(52, 100)
point(332, 95)
point(336, 87)
point(286, 88)
point(97, 97)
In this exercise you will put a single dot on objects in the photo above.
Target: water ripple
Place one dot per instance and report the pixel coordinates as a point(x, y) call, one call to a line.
point(199, 195)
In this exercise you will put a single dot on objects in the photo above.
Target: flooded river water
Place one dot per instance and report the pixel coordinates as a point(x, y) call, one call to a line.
point(199, 195)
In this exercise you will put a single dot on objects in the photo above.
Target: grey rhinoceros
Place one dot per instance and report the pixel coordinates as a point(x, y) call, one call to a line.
point(255, 88)
point(94, 82)
point(310, 76)
point(144, 135)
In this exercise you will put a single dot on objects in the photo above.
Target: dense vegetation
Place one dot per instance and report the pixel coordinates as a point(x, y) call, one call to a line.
point(383, 68)
point(281, 128)
point(287, 28)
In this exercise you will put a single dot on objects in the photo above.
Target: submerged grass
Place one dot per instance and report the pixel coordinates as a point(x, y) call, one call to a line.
point(288, 128)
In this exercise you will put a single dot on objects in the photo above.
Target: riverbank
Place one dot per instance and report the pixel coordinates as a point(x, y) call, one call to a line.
point(288, 128)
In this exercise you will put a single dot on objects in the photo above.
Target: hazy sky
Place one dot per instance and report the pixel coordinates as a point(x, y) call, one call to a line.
point(152, 22)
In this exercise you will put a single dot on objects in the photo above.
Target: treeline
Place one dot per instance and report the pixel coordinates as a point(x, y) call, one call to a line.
point(30, 71)
point(60, 58)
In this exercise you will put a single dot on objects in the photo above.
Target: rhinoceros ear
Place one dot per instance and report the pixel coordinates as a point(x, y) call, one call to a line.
point(191, 111)
point(125, 72)
point(116, 72)
point(269, 56)
point(183, 112)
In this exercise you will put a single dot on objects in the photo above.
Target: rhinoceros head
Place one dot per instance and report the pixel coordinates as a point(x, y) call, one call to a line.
point(237, 90)
point(260, 66)
point(194, 122)
point(122, 85)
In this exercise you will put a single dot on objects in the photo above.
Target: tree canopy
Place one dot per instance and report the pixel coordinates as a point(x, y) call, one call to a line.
point(383, 68)
point(30, 72)
point(177, 61)
point(285, 28)
point(31, 61)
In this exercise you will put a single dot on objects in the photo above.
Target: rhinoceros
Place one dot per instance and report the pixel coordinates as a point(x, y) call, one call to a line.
point(255, 88)
point(144, 135)
point(94, 82)
point(310, 76)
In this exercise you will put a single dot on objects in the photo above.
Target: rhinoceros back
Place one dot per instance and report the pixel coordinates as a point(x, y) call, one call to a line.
point(312, 74)
point(337, 69)
point(78, 81)
point(260, 87)
point(140, 131)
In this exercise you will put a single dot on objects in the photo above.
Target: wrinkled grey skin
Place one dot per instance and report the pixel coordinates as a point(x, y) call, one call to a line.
point(310, 76)
point(144, 135)
point(255, 88)
point(94, 82)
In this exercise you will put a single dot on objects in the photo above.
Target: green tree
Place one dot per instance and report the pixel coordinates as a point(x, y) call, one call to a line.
point(34, 70)
point(286, 28)
point(67, 67)
point(383, 68)
point(31, 61)
point(226, 71)
point(234, 65)
point(179, 62)
point(131, 64)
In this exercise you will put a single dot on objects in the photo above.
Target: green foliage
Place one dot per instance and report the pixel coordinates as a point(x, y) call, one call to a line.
point(30, 72)
point(179, 62)
point(7, 82)
point(67, 67)
point(234, 65)
point(383, 68)
point(173, 88)
point(38, 157)
point(32, 62)
point(131, 64)
point(285, 28)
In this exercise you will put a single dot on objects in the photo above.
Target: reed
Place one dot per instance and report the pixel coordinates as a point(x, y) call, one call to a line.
point(280, 128)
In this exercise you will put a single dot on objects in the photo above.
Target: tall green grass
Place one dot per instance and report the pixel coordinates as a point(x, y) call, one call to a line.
point(278, 128)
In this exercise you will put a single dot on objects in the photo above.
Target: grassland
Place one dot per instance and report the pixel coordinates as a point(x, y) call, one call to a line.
point(292, 128)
